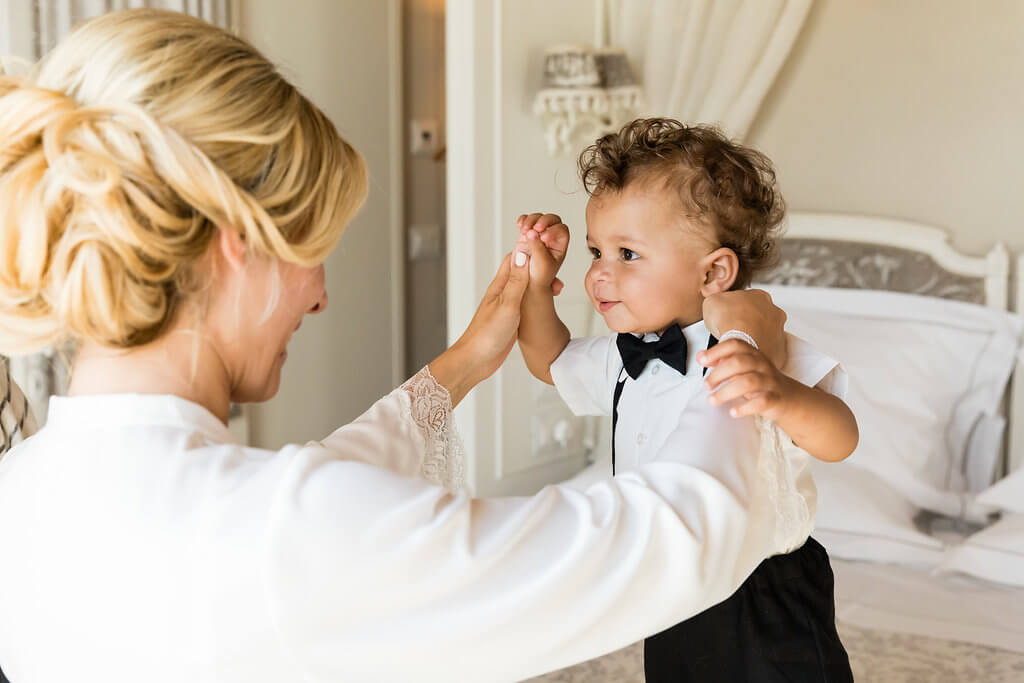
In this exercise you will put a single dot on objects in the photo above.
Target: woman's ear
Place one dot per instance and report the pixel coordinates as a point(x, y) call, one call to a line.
point(720, 269)
point(232, 248)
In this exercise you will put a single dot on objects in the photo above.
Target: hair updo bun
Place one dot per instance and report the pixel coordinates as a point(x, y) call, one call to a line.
point(121, 154)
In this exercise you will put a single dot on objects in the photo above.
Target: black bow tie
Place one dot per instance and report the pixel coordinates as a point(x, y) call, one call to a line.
point(670, 348)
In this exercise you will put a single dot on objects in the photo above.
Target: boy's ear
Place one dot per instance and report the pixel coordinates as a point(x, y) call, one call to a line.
point(720, 269)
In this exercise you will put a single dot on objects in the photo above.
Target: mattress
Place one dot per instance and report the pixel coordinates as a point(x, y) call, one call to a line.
point(899, 625)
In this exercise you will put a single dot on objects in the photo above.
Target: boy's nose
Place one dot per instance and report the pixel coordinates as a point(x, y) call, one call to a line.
point(600, 273)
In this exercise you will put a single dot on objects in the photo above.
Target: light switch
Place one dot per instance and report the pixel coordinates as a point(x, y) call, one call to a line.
point(424, 241)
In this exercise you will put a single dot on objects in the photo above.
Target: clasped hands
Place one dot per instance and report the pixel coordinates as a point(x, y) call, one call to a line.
point(754, 380)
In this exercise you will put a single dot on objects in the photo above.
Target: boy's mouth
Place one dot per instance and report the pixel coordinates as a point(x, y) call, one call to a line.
point(605, 306)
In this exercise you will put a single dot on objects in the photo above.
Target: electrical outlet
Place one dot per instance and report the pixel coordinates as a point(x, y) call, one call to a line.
point(423, 135)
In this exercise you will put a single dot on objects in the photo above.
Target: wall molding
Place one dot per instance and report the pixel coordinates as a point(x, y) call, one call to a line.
point(396, 207)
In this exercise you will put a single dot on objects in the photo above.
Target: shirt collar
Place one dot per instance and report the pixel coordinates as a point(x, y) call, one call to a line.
point(122, 410)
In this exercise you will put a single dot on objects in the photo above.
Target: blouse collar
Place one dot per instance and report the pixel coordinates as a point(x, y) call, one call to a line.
point(157, 410)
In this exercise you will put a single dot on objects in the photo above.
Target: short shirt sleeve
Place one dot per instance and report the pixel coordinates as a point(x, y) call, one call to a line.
point(585, 374)
point(809, 366)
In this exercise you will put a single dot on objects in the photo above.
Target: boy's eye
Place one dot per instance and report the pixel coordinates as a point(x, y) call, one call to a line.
point(629, 255)
point(595, 252)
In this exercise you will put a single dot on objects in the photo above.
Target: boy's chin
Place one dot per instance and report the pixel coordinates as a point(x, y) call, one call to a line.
point(614, 320)
point(623, 328)
point(618, 326)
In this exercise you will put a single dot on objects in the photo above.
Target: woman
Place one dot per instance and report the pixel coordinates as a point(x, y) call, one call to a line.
point(166, 198)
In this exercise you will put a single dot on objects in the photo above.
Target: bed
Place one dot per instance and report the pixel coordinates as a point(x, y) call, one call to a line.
point(925, 522)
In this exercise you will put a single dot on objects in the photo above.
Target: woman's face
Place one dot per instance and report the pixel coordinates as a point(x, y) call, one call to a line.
point(254, 336)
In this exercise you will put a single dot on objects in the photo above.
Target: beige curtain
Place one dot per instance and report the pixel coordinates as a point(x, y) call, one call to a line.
point(16, 420)
point(707, 61)
point(54, 18)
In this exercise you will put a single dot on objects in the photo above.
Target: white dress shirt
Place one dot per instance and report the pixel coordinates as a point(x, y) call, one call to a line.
point(665, 414)
point(139, 542)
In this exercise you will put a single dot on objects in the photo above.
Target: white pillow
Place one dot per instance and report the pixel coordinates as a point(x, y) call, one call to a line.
point(995, 553)
point(926, 379)
point(859, 517)
point(1006, 494)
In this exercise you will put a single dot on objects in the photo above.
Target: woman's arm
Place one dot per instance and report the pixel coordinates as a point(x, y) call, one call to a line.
point(425, 447)
point(407, 431)
point(489, 338)
point(372, 572)
point(367, 564)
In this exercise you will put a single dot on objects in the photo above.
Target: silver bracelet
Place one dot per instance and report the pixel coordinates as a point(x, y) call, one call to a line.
point(739, 334)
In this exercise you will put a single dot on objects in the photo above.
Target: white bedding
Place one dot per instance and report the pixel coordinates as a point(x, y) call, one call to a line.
point(917, 601)
point(927, 443)
point(900, 625)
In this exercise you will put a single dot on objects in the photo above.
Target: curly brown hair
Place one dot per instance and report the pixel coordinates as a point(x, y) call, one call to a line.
point(724, 185)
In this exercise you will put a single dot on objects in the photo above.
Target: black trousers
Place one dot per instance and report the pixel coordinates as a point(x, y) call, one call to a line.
point(779, 627)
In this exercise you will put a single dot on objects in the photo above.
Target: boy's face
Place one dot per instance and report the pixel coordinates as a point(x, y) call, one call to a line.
point(649, 265)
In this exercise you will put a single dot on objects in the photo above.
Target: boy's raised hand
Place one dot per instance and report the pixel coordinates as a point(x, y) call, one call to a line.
point(752, 311)
point(743, 375)
point(551, 230)
point(548, 240)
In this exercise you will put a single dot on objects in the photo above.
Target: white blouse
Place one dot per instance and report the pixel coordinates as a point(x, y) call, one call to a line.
point(139, 542)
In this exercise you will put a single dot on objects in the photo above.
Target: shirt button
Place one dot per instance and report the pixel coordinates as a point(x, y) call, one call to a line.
point(655, 370)
point(640, 438)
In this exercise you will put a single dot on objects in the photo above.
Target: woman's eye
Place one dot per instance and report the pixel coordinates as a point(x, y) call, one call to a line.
point(629, 255)
point(595, 252)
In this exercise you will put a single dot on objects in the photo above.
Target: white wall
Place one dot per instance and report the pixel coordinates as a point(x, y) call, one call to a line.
point(343, 56)
point(531, 179)
point(906, 108)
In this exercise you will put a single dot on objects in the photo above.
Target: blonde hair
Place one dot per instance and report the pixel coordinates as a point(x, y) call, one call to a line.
point(125, 150)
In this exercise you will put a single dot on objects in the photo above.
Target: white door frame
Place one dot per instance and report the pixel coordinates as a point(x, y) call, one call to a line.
point(468, 194)
point(507, 422)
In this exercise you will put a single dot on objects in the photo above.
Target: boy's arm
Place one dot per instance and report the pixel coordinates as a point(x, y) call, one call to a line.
point(816, 421)
point(542, 334)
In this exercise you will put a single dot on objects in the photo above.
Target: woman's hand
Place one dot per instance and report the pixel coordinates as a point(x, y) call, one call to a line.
point(491, 333)
point(750, 311)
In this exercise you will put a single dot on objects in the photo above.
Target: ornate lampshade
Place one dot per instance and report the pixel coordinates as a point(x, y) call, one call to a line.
point(587, 93)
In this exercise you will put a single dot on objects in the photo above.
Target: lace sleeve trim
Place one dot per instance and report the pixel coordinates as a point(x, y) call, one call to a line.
point(793, 521)
point(431, 409)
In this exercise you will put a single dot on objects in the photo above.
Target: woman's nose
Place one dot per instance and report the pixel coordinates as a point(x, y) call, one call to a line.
point(321, 303)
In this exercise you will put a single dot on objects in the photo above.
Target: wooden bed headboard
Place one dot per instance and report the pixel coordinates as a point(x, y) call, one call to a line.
point(867, 252)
